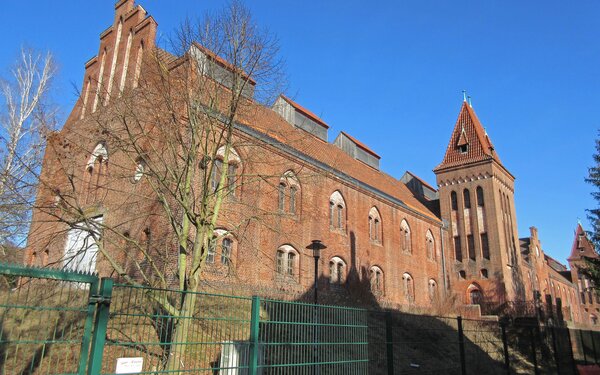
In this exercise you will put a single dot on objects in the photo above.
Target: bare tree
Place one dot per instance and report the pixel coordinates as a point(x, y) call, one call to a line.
point(26, 116)
point(179, 127)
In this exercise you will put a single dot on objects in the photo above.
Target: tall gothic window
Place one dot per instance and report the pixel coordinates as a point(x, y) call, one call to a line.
point(454, 201)
point(233, 163)
point(375, 232)
point(405, 237)
point(95, 173)
point(467, 198)
point(409, 287)
point(337, 211)
point(287, 263)
point(337, 271)
point(430, 243)
point(480, 200)
point(376, 278)
point(289, 193)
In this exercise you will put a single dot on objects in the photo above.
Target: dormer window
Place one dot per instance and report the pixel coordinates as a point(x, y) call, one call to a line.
point(463, 148)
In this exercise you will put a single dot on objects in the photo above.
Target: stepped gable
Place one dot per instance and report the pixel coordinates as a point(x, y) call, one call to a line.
point(582, 246)
point(469, 142)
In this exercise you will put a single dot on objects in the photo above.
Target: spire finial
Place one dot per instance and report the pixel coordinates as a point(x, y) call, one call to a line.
point(464, 95)
point(469, 99)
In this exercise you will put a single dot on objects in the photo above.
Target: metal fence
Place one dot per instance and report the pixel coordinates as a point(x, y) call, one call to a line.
point(58, 322)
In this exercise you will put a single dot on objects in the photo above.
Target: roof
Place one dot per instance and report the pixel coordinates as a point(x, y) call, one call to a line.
point(468, 131)
point(268, 122)
point(221, 61)
point(555, 264)
point(582, 246)
point(305, 111)
point(422, 181)
point(361, 145)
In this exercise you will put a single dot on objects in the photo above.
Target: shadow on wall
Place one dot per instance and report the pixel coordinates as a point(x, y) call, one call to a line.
point(370, 338)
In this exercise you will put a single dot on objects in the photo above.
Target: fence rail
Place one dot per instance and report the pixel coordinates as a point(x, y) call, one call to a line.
point(60, 322)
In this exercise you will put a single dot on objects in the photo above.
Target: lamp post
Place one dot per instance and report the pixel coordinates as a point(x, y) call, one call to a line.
point(316, 246)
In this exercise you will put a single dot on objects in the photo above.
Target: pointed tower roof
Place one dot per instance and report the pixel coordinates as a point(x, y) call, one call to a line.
point(469, 142)
point(582, 246)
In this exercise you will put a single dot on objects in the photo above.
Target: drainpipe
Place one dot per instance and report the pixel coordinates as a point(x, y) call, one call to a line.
point(442, 228)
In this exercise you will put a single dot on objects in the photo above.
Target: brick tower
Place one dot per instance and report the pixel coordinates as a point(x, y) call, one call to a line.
point(477, 203)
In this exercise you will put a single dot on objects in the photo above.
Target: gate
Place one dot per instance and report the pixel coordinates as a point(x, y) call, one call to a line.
point(47, 320)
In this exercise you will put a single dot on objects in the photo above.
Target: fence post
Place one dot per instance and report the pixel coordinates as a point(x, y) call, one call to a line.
point(533, 350)
point(389, 339)
point(594, 347)
point(461, 346)
point(505, 345)
point(254, 327)
point(102, 301)
point(84, 353)
point(573, 363)
point(556, 354)
point(582, 346)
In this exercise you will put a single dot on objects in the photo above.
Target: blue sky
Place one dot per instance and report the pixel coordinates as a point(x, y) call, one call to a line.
point(391, 73)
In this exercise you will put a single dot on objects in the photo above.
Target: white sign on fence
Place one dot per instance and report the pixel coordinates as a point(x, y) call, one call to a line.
point(129, 365)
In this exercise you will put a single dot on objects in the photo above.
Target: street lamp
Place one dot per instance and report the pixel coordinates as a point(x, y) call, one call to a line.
point(316, 246)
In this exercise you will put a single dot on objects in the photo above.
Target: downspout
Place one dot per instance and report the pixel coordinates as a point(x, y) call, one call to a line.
point(442, 228)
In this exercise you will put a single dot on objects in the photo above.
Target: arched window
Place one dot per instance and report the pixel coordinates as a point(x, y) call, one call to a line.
point(467, 198)
point(220, 248)
point(454, 201)
point(337, 271)
point(480, 200)
point(430, 243)
point(233, 163)
point(337, 211)
point(405, 236)
point(287, 266)
point(376, 278)
point(281, 194)
point(375, 232)
point(288, 190)
point(95, 172)
point(432, 290)
point(409, 287)
point(475, 294)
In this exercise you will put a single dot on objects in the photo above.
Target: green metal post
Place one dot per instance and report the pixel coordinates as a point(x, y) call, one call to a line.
point(582, 346)
point(254, 327)
point(102, 301)
point(84, 353)
point(573, 363)
point(389, 338)
point(461, 346)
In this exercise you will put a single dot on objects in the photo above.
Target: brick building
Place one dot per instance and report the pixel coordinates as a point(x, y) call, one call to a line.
point(396, 242)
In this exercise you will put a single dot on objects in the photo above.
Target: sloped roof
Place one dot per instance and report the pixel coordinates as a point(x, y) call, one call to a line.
point(268, 122)
point(468, 131)
point(361, 145)
point(422, 181)
point(305, 111)
point(582, 246)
